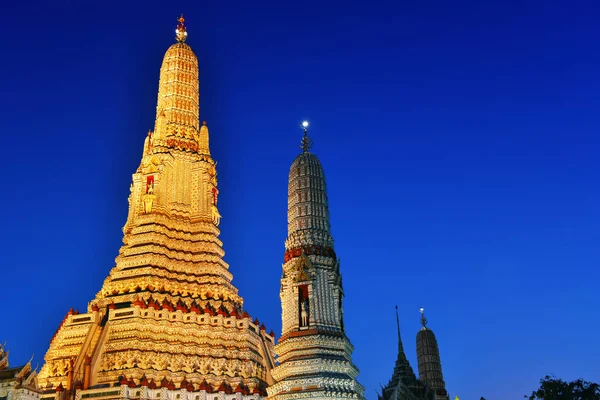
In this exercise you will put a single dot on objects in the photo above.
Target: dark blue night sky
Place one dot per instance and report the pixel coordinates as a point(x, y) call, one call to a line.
point(459, 139)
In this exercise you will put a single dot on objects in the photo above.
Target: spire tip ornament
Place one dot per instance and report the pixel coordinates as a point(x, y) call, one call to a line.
point(306, 142)
point(181, 31)
point(423, 319)
point(400, 347)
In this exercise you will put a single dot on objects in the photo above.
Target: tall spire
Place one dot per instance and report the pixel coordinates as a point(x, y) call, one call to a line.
point(308, 208)
point(314, 352)
point(403, 381)
point(400, 347)
point(423, 319)
point(181, 31)
point(178, 102)
point(170, 275)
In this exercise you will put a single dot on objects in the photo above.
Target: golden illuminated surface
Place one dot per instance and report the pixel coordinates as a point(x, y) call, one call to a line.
point(167, 315)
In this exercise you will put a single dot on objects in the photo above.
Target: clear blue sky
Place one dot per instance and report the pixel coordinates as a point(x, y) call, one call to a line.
point(459, 138)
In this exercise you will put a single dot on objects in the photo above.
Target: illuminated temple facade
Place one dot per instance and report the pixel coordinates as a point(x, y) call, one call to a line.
point(167, 323)
point(404, 385)
point(314, 353)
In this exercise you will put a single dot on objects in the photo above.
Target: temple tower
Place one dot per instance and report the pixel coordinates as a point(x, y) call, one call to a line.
point(167, 323)
point(314, 353)
point(428, 358)
point(404, 384)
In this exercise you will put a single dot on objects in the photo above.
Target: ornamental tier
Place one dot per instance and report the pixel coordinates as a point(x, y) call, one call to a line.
point(167, 322)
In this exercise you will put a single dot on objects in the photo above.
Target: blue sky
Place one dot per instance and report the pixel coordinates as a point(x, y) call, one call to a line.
point(459, 141)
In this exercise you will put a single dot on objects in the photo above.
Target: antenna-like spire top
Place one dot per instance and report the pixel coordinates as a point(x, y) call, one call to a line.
point(423, 319)
point(181, 31)
point(306, 141)
point(400, 348)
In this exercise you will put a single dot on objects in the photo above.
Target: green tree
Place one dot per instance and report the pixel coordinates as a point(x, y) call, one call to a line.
point(552, 388)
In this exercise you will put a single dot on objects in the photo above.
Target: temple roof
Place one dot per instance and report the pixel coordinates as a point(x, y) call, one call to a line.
point(23, 376)
point(16, 372)
point(404, 383)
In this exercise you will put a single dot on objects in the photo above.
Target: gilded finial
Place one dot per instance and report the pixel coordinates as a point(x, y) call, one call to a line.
point(181, 31)
point(423, 319)
point(306, 141)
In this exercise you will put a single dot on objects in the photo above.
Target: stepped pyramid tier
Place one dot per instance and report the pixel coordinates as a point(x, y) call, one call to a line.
point(314, 353)
point(428, 358)
point(168, 322)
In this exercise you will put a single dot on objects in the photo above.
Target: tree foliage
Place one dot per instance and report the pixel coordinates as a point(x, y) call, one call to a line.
point(552, 388)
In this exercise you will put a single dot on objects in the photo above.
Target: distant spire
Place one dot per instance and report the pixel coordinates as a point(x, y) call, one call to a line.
point(400, 348)
point(428, 359)
point(403, 375)
point(306, 141)
point(423, 319)
point(181, 31)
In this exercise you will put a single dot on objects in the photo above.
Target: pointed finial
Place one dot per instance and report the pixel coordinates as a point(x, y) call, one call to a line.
point(306, 141)
point(423, 319)
point(400, 348)
point(398, 322)
point(181, 31)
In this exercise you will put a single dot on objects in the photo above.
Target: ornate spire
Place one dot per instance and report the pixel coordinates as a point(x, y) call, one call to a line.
point(308, 209)
point(400, 348)
point(423, 319)
point(312, 329)
point(181, 31)
point(306, 141)
point(403, 381)
point(170, 246)
point(178, 102)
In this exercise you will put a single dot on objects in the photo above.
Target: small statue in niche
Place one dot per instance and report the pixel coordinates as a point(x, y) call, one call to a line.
point(304, 313)
point(149, 197)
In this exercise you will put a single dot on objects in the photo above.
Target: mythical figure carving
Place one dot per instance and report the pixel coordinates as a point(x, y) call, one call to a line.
point(304, 313)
